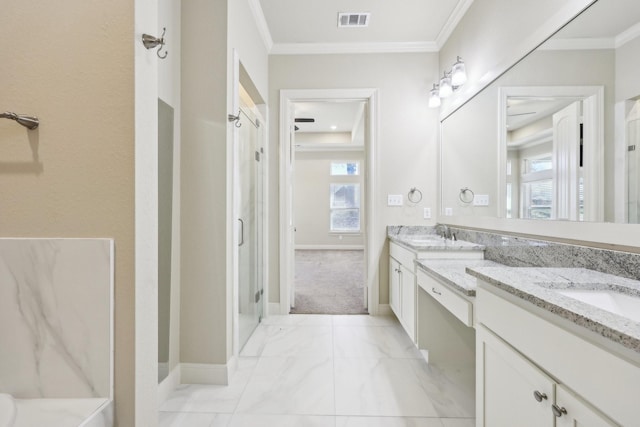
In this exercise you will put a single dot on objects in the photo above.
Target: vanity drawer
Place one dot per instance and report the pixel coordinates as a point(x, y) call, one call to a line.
point(402, 255)
point(456, 304)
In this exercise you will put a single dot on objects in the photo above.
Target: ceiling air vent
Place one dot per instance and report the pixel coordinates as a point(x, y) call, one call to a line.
point(353, 19)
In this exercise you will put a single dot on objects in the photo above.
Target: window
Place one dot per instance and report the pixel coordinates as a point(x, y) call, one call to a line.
point(344, 207)
point(537, 187)
point(345, 168)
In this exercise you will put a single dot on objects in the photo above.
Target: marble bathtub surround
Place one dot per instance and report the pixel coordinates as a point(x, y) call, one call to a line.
point(540, 286)
point(522, 252)
point(454, 272)
point(55, 318)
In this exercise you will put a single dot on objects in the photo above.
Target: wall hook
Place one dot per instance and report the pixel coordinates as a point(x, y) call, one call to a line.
point(150, 42)
point(235, 119)
point(29, 122)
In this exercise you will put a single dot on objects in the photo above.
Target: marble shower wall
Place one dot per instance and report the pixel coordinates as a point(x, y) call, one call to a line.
point(55, 317)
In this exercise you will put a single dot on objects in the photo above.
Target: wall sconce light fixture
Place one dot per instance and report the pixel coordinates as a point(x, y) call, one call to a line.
point(449, 83)
point(434, 97)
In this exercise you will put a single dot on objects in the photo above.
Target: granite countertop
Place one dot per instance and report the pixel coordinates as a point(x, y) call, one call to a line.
point(432, 242)
point(542, 287)
point(453, 272)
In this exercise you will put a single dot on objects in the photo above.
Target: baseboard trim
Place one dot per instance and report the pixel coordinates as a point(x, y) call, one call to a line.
point(384, 310)
point(205, 373)
point(170, 383)
point(329, 247)
point(273, 308)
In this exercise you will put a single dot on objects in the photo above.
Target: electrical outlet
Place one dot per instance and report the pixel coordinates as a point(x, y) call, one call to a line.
point(427, 213)
point(448, 211)
point(394, 200)
point(481, 200)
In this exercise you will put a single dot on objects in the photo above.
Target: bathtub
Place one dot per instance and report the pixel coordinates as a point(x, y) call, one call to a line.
point(91, 412)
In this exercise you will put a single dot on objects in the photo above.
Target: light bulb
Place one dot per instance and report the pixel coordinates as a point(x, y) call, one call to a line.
point(445, 86)
point(458, 73)
point(434, 98)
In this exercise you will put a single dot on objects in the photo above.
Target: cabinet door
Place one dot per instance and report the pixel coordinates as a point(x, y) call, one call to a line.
point(394, 286)
point(511, 390)
point(572, 411)
point(408, 298)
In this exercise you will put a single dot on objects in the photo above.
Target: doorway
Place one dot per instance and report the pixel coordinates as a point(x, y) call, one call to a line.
point(337, 198)
point(329, 192)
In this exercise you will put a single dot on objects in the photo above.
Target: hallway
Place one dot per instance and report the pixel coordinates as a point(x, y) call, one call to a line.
point(329, 282)
point(322, 370)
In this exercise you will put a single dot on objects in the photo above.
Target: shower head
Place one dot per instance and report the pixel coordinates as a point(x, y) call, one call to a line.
point(29, 122)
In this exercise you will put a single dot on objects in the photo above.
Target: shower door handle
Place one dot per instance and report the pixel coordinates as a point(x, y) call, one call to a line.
point(241, 232)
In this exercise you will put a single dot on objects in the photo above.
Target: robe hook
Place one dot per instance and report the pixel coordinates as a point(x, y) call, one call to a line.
point(150, 42)
point(235, 118)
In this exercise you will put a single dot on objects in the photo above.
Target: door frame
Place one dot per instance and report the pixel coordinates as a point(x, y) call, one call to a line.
point(593, 136)
point(287, 248)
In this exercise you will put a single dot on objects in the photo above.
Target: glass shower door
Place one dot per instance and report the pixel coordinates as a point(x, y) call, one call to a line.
point(250, 289)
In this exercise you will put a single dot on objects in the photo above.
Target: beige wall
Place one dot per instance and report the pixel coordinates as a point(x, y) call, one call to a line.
point(59, 60)
point(207, 222)
point(203, 313)
point(311, 198)
point(407, 149)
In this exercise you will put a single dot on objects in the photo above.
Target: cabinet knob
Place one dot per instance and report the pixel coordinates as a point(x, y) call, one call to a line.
point(539, 396)
point(558, 411)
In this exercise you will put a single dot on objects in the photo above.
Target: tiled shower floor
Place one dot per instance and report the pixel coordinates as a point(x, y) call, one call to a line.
point(326, 371)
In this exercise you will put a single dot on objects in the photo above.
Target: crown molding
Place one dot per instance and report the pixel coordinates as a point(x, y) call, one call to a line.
point(342, 48)
point(628, 35)
point(453, 21)
point(261, 23)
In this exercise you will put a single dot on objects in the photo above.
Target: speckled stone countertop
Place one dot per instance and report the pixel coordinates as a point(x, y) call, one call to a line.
point(425, 239)
point(542, 287)
point(453, 272)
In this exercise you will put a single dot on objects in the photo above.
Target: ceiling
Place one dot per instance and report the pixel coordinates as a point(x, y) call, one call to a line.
point(342, 115)
point(299, 26)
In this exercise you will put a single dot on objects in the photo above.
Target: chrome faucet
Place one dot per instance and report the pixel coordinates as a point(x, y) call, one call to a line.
point(444, 231)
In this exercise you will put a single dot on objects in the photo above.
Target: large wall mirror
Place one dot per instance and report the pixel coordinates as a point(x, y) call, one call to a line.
point(555, 137)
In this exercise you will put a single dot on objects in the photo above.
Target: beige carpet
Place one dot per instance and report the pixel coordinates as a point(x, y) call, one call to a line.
point(329, 282)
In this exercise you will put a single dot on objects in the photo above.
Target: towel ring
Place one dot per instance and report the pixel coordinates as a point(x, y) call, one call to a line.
point(413, 198)
point(464, 198)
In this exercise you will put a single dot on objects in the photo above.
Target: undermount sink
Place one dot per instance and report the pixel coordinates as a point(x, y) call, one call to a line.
point(614, 302)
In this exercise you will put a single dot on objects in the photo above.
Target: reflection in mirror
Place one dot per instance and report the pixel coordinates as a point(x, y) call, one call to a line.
point(165, 201)
point(552, 137)
point(527, 177)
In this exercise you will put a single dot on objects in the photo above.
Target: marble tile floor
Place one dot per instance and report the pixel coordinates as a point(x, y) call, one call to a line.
point(326, 371)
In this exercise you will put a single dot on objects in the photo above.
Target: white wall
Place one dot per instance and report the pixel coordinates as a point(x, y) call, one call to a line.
point(407, 151)
point(311, 198)
point(169, 16)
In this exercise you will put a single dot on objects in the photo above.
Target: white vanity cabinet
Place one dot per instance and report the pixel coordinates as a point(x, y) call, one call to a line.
point(404, 296)
point(517, 392)
point(402, 287)
point(532, 371)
